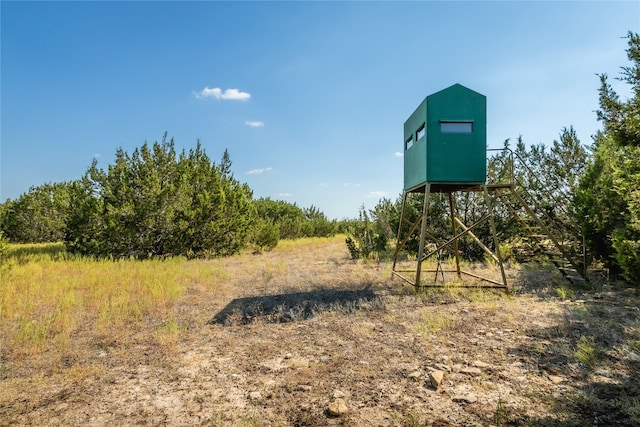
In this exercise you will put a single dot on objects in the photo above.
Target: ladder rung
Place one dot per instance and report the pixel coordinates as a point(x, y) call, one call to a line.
point(575, 278)
point(539, 236)
point(567, 270)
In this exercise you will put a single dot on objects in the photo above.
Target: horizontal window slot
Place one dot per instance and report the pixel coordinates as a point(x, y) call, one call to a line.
point(456, 127)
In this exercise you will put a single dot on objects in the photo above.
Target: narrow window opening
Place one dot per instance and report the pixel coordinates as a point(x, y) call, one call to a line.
point(408, 143)
point(420, 132)
point(456, 127)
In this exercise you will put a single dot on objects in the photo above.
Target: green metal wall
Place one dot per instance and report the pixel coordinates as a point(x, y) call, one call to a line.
point(415, 157)
point(452, 149)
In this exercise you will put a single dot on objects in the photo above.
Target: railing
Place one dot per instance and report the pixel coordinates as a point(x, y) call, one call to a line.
point(555, 194)
point(550, 193)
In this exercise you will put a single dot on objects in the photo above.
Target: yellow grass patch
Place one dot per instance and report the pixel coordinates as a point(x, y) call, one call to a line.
point(47, 295)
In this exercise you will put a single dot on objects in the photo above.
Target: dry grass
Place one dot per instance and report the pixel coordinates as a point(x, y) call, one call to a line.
point(272, 339)
point(47, 298)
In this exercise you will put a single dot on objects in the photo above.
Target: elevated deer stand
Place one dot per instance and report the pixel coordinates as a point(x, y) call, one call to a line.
point(458, 230)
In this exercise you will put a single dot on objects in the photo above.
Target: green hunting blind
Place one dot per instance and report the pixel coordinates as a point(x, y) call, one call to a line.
point(445, 139)
point(445, 153)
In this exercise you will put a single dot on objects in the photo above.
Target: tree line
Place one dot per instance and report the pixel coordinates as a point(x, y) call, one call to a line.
point(156, 202)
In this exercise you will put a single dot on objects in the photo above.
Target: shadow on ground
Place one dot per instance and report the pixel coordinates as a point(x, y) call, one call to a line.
point(296, 306)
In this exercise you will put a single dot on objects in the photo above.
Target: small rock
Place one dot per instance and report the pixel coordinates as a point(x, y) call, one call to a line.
point(435, 378)
point(457, 367)
point(634, 357)
point(302, 387)
point(338, 408)
point(254, 395)
point(555, 379)
point(415, 375)
point(471, 371)
point(235, 377)
point(465, 398)
point(480, 364)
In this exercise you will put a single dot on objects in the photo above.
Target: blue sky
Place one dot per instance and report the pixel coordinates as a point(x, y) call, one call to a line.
point(308, 97)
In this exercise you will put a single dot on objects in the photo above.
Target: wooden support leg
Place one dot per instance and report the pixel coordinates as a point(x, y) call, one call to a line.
point(423, 231)
point(398, 244)
point(452, 213)
point(492, 226)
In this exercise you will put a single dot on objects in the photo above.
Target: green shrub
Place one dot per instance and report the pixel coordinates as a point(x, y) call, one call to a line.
point(4, 247)
point(364, 240)
point(266, 235)
point(155, 202)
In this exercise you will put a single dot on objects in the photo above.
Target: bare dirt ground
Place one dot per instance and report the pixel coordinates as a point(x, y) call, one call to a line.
point(303, 336)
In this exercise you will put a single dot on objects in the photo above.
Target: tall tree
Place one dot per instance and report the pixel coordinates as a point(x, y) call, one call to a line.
point(609, 191)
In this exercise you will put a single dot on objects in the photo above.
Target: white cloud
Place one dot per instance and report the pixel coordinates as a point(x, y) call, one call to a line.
point(259, 171)
point(324, 185)
point(285, 195)
point(351, 184)
point(228, 94)
point(254, 123)
point(377, 194)
point(398, 154)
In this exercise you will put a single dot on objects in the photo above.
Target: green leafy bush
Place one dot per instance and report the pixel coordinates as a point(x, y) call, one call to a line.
point(4, 247)
point(292, 221)
point(155, 202)
point(37, 216)
point(265, 235)
point(364, 238)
